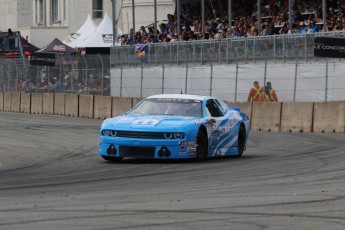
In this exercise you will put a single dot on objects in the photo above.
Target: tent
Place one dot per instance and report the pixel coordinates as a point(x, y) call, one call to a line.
point(83, 33)
point(57, 47)
point(101, 37)
point(28, 47)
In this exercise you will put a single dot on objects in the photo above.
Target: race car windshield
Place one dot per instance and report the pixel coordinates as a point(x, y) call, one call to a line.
point(169, 106)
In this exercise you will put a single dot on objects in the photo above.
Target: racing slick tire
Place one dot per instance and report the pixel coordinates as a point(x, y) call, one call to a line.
point(201, 149)
point(241, 142)
point(112, 159)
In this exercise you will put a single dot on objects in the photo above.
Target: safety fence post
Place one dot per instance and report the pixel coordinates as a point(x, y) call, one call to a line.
point(295, 84)
point(211, 79)
point(236, 81)
point(163, 77)
point(326, 84)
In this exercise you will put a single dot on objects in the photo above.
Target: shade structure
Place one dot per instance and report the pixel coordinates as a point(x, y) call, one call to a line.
point(57, 47)
point(101, 37)
point(88, 27)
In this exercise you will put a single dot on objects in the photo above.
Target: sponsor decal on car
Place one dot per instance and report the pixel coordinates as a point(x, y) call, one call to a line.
point(183, 151)
point(192, 148)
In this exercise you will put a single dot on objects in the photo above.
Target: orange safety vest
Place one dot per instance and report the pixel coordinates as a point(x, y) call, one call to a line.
point(257, 92)
point(269, 97)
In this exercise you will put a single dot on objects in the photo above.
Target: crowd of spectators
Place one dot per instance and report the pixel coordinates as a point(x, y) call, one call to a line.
point(306, 18)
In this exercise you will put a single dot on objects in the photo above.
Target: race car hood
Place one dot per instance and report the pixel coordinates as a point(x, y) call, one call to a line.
point(136, 122)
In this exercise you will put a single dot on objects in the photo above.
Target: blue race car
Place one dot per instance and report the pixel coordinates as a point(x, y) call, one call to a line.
point(174, 126)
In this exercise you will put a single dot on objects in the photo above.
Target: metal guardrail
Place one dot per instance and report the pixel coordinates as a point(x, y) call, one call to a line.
point(252, 49)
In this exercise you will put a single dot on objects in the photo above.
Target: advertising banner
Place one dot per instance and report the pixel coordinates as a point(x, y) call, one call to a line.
point(329, 47)
point(45, 59)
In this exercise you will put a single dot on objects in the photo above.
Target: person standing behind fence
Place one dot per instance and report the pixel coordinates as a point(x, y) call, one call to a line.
point(255, 93)
point(269, 94)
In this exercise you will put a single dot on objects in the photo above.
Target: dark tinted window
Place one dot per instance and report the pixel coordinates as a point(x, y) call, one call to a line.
point(213, 108)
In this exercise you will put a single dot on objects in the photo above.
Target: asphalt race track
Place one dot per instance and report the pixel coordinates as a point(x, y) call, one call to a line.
point(52, 178)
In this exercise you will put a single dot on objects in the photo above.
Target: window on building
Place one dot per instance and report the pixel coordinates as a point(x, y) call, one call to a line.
point(97, 8)
point(64, 9)
point(55, 10)
point(39, 11)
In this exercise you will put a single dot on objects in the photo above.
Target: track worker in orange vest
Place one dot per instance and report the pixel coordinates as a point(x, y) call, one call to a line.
point(269, 94)
point(255, 93)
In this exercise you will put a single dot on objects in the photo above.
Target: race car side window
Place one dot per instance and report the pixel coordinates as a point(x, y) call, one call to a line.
point(222, 106)
point(213, 108)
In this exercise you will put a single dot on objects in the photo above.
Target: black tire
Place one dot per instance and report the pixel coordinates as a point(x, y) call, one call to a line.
point(241, 142)
point(112, 159)
point(201, 149)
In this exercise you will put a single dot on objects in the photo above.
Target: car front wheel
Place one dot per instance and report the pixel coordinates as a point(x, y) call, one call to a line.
point(241, 142)
point(201, 149)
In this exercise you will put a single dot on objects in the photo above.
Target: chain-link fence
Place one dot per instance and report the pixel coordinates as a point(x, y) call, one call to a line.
point(299, 81)
point(71, 74)
point(276, 48)
point(90, 74)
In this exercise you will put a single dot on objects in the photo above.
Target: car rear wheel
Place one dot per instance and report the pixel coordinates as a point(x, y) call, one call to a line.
point(112, 159)
point(201, 149)
point(241, 142)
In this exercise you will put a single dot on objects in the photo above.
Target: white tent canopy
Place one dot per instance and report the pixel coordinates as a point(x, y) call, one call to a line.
point(101, 37)
point(83, 33)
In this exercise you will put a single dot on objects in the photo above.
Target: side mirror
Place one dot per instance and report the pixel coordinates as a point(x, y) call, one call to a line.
point(237, 109)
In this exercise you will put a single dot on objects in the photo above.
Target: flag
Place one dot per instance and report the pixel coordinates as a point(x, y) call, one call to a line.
point(140, 51)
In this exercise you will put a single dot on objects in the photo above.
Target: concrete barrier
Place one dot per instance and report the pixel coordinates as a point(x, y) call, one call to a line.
point(121, 105)
point(48, 103)
point(329, 117)
point(71, 105)
point(245, 107)
point(102, 107)
point(1, 101)
point(7, 101)
point(15, 102)
point(266, 116)
point(86, 106)
point(135, 101)
point(297, 117)
point(36, 103)
point(25, 102)
point(59, 104)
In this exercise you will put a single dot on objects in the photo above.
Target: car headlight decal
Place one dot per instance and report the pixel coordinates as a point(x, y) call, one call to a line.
point(168, 135)
point(178, 135)
point(105, 132)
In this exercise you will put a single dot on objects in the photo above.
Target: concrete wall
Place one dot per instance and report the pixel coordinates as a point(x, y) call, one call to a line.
point(59, 104)
point(102, 107)
point(36, 103)
point(71, 105)
point(1, 101)
point(7, 101)
point(86, 106)
point(316, 117)
point(25, 102)
point(329, 117)
point(48, 103)
point(266, 116)
point(297, 117)
point(15, 102)
point(121, 105)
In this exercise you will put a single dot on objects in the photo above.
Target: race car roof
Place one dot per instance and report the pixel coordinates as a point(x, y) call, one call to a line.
point(180, 96)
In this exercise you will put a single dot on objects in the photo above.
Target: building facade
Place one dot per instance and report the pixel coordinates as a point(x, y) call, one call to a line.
point(43, 20)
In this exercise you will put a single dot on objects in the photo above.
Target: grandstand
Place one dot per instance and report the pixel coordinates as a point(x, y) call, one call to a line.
point(247, 21)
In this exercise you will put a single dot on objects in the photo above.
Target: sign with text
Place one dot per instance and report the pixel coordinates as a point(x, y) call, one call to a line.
point(329, 47)
point(45, 59)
